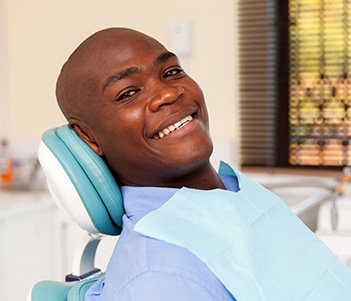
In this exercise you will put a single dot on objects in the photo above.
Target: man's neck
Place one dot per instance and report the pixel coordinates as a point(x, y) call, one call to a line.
point(203, 178)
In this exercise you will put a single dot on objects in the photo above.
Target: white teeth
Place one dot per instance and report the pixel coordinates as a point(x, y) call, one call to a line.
point(166, 131)
point(177, 124)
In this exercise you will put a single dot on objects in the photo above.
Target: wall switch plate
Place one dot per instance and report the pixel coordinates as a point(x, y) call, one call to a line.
point(181, 37)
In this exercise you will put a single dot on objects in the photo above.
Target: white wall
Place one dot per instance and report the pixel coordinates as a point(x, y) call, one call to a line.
point(4, 104)
point(39, 35)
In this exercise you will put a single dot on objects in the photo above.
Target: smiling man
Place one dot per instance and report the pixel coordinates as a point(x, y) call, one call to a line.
point(189, 233)
point(123, 88)
point(130, 100)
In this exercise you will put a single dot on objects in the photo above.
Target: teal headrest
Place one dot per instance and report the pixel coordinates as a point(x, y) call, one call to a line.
point(90, 176)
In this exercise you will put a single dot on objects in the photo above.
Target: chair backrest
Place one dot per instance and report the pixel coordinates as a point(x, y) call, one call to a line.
point(82, 185)
point(80, 182)
point(60, 291)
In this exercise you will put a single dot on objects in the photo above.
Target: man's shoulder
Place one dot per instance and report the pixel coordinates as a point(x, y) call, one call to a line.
point(140, 263)
point(135, 255)
point(152, 254)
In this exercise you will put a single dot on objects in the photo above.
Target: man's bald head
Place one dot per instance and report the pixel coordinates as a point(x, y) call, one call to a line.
point(77, 84)
point(122, 92)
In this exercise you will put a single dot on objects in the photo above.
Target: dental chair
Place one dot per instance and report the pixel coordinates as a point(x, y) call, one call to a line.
point(82, 185)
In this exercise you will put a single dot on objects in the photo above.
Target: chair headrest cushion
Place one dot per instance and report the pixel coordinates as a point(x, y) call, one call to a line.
point(89, 176)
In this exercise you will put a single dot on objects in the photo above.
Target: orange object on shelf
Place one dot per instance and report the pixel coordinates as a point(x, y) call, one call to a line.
point(6, 165)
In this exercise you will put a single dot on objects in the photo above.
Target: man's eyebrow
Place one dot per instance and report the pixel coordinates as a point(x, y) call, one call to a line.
point(121, 75)
point(164, 57)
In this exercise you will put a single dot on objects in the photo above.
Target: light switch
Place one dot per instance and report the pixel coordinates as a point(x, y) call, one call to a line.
point(181, 36)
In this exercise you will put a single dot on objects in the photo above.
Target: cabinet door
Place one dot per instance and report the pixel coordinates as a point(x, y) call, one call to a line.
point(2, 261)
point(28, 252)
point(40, 245)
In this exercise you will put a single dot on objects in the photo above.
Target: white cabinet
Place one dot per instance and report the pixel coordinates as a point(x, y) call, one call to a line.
point(27, 243)
point(37, 243)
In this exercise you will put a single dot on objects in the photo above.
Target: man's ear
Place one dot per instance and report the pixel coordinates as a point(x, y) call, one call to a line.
point(84, 134)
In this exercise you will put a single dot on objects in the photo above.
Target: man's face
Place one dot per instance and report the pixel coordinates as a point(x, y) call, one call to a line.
point(148, 116)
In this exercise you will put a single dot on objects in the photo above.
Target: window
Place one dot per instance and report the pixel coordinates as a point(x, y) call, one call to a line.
point(295, 85)
point(320, 83)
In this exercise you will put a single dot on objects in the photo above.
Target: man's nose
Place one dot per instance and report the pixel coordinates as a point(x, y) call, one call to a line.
point(165, 95)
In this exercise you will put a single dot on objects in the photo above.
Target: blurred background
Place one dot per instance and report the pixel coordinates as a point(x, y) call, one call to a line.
point(276, 78)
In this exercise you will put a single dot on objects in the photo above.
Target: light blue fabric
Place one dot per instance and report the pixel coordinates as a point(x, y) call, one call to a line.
point(255, 245)
point(145, 269)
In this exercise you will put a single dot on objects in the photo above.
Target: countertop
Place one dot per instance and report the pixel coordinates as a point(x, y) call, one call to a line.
point(16, 203)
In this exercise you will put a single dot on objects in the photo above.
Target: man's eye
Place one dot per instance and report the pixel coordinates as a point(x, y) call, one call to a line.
point(127, 94)
point(173, 72)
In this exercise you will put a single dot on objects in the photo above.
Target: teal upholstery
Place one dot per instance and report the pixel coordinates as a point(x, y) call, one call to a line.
point(78, 291)
point(61, 291)
point(91, 177)
point(97, 190)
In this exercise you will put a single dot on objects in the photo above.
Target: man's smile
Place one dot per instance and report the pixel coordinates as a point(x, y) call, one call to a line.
point(171, 128)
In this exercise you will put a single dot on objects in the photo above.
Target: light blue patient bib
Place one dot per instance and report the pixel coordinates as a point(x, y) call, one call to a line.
point(252, 242)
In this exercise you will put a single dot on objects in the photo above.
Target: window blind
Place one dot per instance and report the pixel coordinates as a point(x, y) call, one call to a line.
point(257, 73)
point(295, 82)
point(320, 82)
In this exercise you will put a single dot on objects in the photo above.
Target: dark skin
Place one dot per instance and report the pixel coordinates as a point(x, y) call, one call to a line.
point(129, 99)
